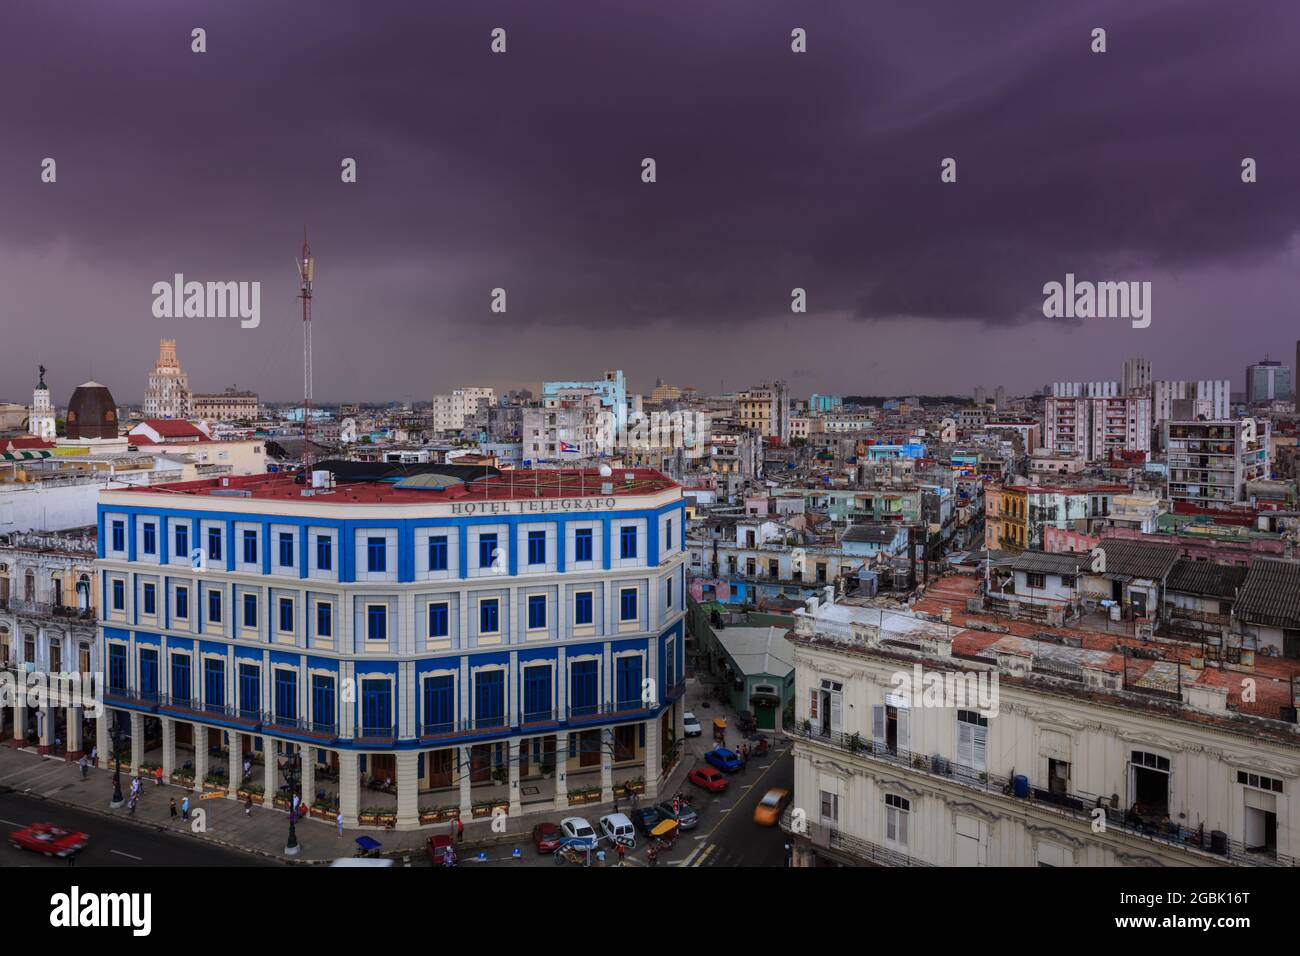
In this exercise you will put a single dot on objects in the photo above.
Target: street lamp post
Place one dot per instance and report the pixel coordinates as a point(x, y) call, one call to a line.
point(115, 731)
point(292, 768)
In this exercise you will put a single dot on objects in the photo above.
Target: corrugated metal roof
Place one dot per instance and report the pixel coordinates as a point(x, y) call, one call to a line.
point(1043, 562)
point(1271, 594)
point(1137, 559)
point(1205, 578)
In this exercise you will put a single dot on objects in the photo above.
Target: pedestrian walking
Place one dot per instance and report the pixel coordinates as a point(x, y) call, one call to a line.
point(185, 808)
point(634, 801)
point(85, 766)
point(652, 855)
point(460, 831)
point(339, 821)
point(94, 756)
point(621, 852)
point(130, 807)
point(157, 777)
point(600, 857)
point(616, 803)
point(248, 804)
point(172, 808)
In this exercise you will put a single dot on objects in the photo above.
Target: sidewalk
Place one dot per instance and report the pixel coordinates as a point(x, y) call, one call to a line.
point(264, 831)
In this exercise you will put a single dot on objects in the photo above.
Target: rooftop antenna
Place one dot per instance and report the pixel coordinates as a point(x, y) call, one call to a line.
point(306, 276)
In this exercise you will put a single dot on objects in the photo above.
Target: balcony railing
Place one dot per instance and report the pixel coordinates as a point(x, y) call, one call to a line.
point(834, 838)
point(1079, 805)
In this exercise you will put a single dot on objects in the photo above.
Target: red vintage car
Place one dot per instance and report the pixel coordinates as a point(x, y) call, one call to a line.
point(708, 778)
point(442, 850)
point(546, 837)
point(48, 839)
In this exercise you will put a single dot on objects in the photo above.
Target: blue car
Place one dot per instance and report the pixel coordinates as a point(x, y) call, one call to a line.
point(728, 761)
point(645, 819)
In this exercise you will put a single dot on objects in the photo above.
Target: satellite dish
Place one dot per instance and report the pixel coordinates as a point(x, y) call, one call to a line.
point(606, 471)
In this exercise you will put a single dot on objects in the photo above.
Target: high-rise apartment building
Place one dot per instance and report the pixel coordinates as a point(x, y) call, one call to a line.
point(451, 411)
point(1210, 462)
point(1137, 375)
point(1268, 381)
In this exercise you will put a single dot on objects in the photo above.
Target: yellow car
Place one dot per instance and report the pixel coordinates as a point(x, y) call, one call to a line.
point(768, 811)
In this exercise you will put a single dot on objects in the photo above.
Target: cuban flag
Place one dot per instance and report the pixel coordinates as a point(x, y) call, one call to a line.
point(567, 448)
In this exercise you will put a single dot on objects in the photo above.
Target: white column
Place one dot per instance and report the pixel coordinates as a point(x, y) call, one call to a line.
point(102, 739)
point(137, 742)
point(20, 723)
point(466, 802)
point(169, 748)
point(270, 766)
point(349, 787)
point(513, 757)
point(75, 745)
point(200, 756)
point(308, 776)
point(652, 769)
point(236, 765)
point(561, 770)
point(606, 765)
point(408, 790)
point(45, 727)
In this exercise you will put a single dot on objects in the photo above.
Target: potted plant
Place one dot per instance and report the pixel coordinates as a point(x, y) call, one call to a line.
point(369, 817)
point(481, 808)
point(429, 815)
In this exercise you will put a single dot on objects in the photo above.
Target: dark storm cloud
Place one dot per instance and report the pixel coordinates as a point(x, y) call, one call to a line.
point(522, 171)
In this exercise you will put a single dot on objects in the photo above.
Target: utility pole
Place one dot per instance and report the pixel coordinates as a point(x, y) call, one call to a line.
point(306, 276)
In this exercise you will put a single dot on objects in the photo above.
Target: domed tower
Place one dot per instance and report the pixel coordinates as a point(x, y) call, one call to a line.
point(92, 413)
point(41, 420)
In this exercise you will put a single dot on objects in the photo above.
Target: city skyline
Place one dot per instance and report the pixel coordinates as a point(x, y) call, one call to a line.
point(776, 171)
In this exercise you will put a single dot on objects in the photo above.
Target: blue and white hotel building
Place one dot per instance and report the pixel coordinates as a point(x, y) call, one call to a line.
point(512, 638)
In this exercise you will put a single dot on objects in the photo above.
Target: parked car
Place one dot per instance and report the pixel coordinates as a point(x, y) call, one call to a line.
point(546, 837)
point(644, 818)
point(691, 725)
point(576, 831)
point(48, 839)
point(686, 817)
point(441, 849)
point(724, 759)
point(769, 809)
point(708, 779)
point(618, 828)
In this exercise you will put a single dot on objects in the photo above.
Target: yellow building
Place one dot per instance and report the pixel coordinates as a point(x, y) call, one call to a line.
point(1006, 518)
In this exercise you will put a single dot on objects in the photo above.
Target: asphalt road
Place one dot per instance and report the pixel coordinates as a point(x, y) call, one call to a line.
point(732, 838)
point(112, 842)
point(726, 835)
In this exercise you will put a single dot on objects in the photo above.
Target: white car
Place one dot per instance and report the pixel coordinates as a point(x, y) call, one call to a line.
point(691, 725)
point(577, 832)
point(618, 828)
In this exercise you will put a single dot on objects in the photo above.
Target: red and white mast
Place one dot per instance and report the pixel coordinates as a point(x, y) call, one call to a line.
point(306, 275)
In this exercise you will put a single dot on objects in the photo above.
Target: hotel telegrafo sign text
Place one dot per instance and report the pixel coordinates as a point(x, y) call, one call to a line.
point(536, 506)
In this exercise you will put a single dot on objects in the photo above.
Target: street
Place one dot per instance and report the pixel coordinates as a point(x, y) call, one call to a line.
point(112, 842)
point(726, 835)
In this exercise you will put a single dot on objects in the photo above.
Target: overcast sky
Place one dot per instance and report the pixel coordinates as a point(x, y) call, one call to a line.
point(523, 171)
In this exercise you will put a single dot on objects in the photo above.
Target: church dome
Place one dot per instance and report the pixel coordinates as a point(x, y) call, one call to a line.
point(92, 413)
